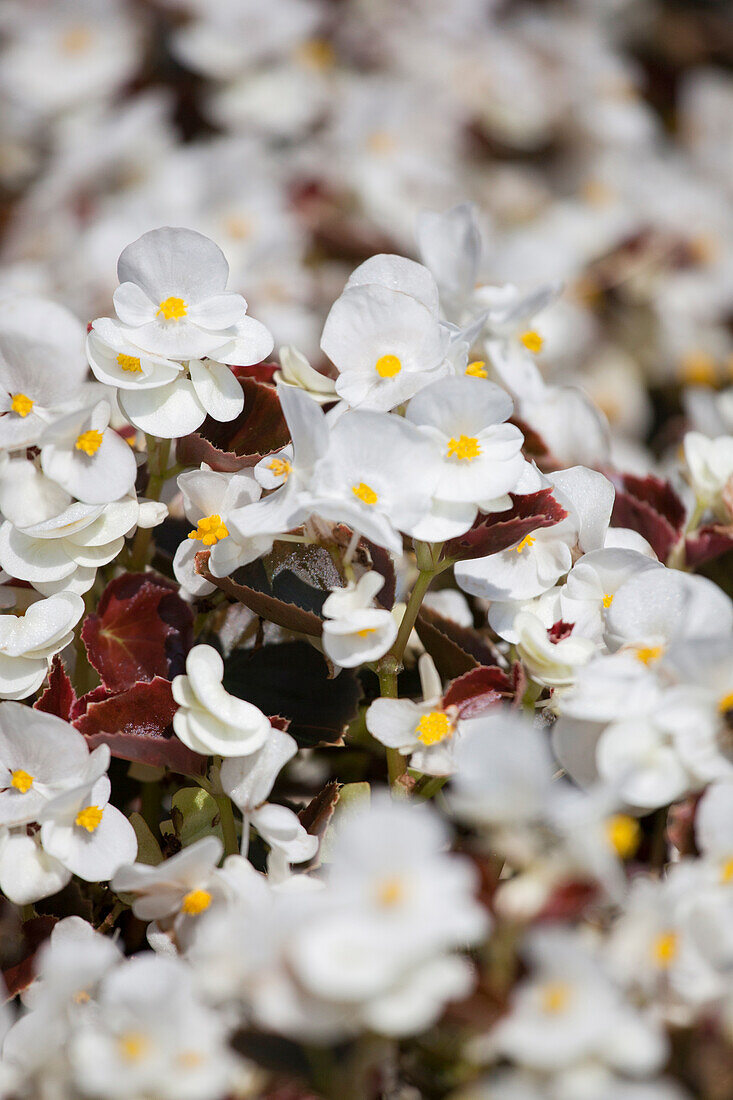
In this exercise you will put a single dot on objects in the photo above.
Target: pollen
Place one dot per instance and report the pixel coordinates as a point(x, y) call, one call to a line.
point(238, 227)
point(381, 142)
point(318, 54)
point(89, 818)
point(698, 368)
point(433, 728)
point(21, 780)
point(129, 363)
point(623, 834)
point(726, 872)
point(649, 653)
point(366, 632)
point(190, 1059)
point(76, 40)
point(280, 467)
point(89, 442)
point(387, 366)
point(607, 600)
point(465, 448)
point(532, 340)
point(665, 948)
point(528, 540)
point(210, 530)
point(172, 309)
point(390, 892)
point(477, 369)
point(555, 997)
point(21, 404)
point(726, 703)
point(364, 493)
point(133, 1046)
point(195, 902)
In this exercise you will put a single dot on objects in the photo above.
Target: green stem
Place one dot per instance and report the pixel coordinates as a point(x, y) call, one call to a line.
point(226, 811)
point(677, 556)
point(158, 474)
point(429, 785)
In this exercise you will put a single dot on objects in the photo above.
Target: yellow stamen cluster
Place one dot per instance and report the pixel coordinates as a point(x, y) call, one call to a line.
point(21, 404)
point(726, 872)
point(434, 728)
point(555, 997)
point(623, 834)
point(647, 654)
point(477, 369)
point(698, 368)
point(390, 892)
point(364, 493)
point(318, 54)
point(726, 703)
point(465, 448)
point(89, 442)
point(89, 818)
point(76, 40)
point(381, 142)
point(133, 1046)
point(387, 366)
point(280, 467)
point(172, 309)
point(129, 363)
point(21, 780)
point(532, 340)
point(210, 530)
point(665, 948)
point(238, 227)
point(366, 632)
point(528, 540)
point(195, 902)
point(607, 600)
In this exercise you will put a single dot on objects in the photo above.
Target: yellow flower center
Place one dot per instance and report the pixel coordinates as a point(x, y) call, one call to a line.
point(366, 632)
point(433, 728)
point(89, 818)
point(172, 309)
point(477, 369)
point(364, 493)
point(528, 540)
point(238, 227)
point(130, 363)
point(726, 703)
point(280, 467)
point(81, 997)
point(387, 366)
point(195, 902)
point(465, 448)
point(532, 340)
point(133, 1046)
point(698, 368)
point(380, 142)
point(76, 40)
point(647, 654)
point(21, 404)
point(607, 600)
point(210, 530)
point(390, 892)
point(318, 54)
point(89, 442)
point(665, 948)
point(190, 1059)
point(555, 997)
point(21, 780)
point(623, 834)
point(726, 872)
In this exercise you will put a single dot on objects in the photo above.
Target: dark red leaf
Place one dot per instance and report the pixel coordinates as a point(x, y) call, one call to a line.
point(478, 690)
point(258, 430)
point(708, 542)
point(137, 725)
point(317, 814)
point(499, 530)
point(34, 932)
point(455, 649)
point(142, 629)
point(651, 507)
point(261, 372)
point(569, 900)
point(271, 601)
point(59, 696)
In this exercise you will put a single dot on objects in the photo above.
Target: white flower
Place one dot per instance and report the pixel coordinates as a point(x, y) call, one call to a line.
point(180, 407)
point(173, 299)
point(28, 642)
point(551, 662)
point(295, 370)
point(208, 499)
point(424, 731)
point(450, 246)
point(710, 466)
point(591, 586)
point(383, 333)
point(248, 780)
point(184, 884)
point(87, 458)
point(355, 631)
point(82, 831)
point(62, 553)
point(479, 458)
point(209, 720)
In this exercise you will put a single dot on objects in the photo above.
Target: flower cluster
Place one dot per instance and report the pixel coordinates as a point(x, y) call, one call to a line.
point(366, 659)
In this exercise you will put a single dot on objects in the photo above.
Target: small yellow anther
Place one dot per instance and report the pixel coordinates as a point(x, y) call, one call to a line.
point(465, 448)
point(477, 369)
point(195, 902)
point(726, 703)
point(698, 368)
point(665, 949)
point(133, 1046)
point(89, 818)
point(434, 728)
point(390, 892)
point(21, 404)
point(527, 541)
point(89, 442)
point(129, 363)
point(364, 493)
point(607, 600)
point(555, 997)
point(172, 309)
point(649, 653)
point(280, 467)
point(726, 872)
point(623, 834)
point(387, 366)
point(532, 340)
point(21, 780)
point(210, 530)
